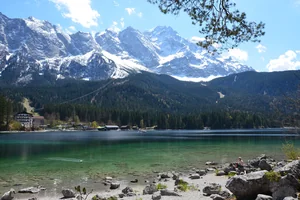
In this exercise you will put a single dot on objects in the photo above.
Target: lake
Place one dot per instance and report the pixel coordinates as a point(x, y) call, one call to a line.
point(65, 159)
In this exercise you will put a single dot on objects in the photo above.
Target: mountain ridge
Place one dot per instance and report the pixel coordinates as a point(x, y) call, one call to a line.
point(31, 48)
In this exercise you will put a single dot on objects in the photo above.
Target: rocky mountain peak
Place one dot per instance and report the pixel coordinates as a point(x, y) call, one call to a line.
point(47, 49)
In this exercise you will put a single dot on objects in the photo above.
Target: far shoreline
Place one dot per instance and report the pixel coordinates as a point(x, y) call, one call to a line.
point(285, 129)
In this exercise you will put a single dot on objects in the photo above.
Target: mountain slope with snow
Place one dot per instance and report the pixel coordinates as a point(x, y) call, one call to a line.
point(32, 49)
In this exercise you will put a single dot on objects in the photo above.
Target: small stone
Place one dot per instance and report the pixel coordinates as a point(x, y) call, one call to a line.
point(216, 197)
point(263, 197)
point(211, 163)
point(30, 190)
point(290, 198)
point(150, 189)
point(127, 190)
point(224, 194)
point(114, 185)
point(201, 172)
point(195, 176)
point(134, 181)
point(166, 192)
point(221, 173)
point(165, 175)
point(212, 189)
point(68, 193)
point(210, 170)
point(156, 196)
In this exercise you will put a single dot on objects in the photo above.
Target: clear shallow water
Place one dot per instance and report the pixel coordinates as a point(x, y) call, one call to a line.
point(60, 159)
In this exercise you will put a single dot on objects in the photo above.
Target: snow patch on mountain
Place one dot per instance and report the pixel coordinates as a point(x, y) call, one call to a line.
point(200, 79)
point(124, 66)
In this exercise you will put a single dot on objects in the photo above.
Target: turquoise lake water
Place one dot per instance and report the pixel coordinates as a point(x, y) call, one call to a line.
point(60, 159)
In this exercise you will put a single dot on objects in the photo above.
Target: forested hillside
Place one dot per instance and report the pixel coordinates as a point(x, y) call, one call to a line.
point(245, 100)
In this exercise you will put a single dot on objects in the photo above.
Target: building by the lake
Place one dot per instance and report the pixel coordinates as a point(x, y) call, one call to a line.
point(26, 119)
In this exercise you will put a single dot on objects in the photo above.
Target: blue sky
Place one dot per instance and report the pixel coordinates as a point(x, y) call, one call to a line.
point(279, 49)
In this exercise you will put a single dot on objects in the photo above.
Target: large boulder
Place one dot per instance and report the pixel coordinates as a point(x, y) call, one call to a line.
point(263, 197)
point(212, 189)
point(150, 189)
point(286, 187)
point(8, 195)
point(291, 168)
point(167, 192)
point(68, 193)
point(263, 165)
point(248, 186)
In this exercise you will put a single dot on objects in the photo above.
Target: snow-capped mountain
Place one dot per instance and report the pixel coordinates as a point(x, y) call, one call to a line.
point(163, 51)
point(31, 49)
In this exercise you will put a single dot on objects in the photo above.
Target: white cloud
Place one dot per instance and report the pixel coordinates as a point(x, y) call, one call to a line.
point(286, 61)
point(72, 28)
point(297, 2)
point(79, 11)
point(236, 54)
point(261, 49)
point(114, 27)
point(196, 39)
point(130, 11)
point(140, 14)
point(116, 4)
point(122, 23)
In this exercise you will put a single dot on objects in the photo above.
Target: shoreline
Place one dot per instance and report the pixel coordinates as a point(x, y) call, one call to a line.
point(199, 184)
point(204, 178)
point(161, 130)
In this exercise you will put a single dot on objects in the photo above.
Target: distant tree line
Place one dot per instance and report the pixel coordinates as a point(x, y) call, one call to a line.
point(7, 110)
point(215, 119)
